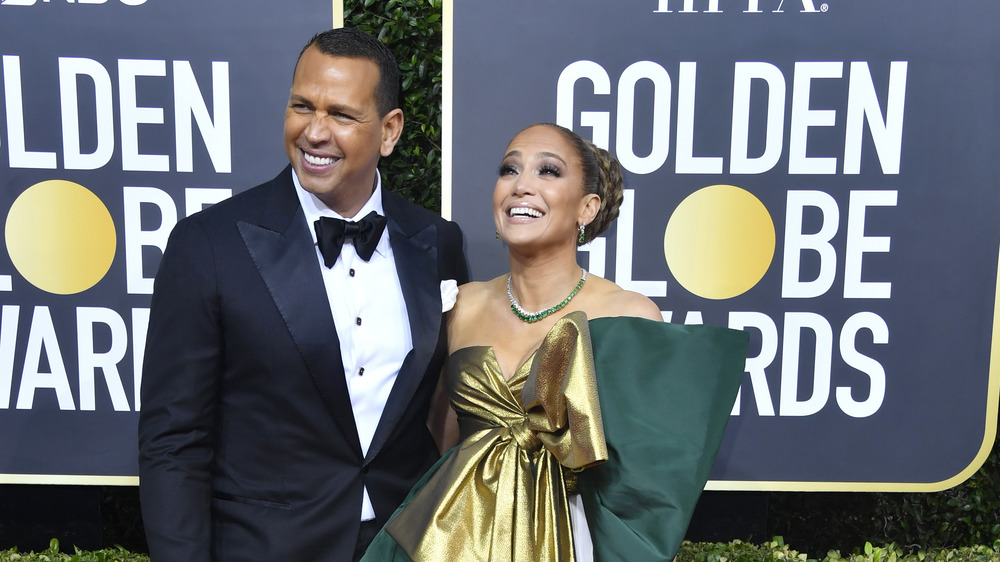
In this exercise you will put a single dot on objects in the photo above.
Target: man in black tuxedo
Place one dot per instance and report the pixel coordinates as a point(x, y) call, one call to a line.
point(287, 387)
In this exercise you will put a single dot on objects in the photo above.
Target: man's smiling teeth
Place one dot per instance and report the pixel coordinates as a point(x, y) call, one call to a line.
point(524, 212)
point(315, 160)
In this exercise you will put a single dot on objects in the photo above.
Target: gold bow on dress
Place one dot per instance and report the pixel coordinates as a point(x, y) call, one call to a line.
point(501, 495)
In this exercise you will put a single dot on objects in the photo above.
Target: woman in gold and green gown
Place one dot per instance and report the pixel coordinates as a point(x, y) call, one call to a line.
point(586, 430)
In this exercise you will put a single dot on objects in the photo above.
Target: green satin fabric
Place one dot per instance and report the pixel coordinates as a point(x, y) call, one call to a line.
point(666, 393)
point(501, 496)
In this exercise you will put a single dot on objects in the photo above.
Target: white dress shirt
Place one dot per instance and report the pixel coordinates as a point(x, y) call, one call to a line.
point(370, 315)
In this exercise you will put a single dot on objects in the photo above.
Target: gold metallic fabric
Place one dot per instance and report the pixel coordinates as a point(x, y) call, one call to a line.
point(501, 495)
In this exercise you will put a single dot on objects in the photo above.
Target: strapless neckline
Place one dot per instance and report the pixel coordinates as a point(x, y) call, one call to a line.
point(490, 353)
point(577, 316)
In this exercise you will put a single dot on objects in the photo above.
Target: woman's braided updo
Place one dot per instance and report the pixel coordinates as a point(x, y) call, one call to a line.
point(602, 176)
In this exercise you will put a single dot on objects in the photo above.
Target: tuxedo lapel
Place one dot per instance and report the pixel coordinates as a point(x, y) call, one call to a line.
point(414, 249)
point(282, 250)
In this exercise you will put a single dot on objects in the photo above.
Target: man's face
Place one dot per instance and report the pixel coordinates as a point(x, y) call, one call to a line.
point(333, 133)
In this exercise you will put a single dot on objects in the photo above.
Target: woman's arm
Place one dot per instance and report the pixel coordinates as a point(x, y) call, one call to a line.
point(442, 421)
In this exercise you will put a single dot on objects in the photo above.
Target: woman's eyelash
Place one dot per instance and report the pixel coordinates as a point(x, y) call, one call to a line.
point(549, 169)
point(508, 169)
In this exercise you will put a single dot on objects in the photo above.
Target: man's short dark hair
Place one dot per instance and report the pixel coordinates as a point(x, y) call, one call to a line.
point(352, 42)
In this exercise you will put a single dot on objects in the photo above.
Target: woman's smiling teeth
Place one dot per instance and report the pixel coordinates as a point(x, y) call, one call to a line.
point(316, 160)
point(524, 212)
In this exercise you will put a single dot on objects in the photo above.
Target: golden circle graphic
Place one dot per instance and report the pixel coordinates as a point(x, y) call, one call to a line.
point(719, 242)
point(60, 237)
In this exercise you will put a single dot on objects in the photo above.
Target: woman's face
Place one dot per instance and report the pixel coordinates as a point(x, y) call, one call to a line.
point(538, 198)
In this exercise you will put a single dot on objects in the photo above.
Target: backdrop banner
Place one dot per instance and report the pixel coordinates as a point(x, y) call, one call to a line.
point(822, 175)
point(117, 118)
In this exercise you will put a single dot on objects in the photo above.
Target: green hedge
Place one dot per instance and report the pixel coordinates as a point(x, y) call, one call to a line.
point(735, 551)
point(412, 29)
point(777, 550)
point(54, 554)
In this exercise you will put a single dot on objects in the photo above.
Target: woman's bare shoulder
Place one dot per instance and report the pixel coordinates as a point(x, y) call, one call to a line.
point(612, 300)
point(474, 300)
point(475, 294)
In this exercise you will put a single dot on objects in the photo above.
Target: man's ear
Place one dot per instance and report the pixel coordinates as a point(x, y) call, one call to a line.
point(392, 127)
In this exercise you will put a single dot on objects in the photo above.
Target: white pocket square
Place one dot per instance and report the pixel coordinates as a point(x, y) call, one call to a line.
point(449, 293)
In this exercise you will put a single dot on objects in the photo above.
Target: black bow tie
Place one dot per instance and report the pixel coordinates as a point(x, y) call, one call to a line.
point(365, 234)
